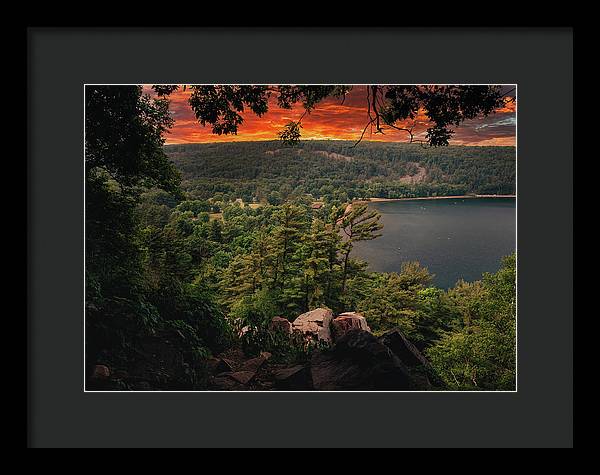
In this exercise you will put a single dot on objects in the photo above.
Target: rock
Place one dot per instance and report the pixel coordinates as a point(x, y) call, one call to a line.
point(101, 372)
point(346, 321)
point(243, 331)
point(280, 324)
point(293, 378)
point(253, 364)
point(219, 365)
point(403, 349)
point(358, 361)
point(223, 382)
point(315, 324)
point(423, 376)
point(242, 377)
point(244, 373)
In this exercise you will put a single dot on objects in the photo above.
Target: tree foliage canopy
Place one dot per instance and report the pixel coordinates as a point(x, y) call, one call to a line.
point(445, 107)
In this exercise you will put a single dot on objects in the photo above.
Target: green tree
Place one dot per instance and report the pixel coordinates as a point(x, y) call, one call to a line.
point(318, 265)
point(123, 158)
point(290, 220)
point(216, 230)
point(392, 300)
point(358, 223)
point(138, 268)
point(481, 354)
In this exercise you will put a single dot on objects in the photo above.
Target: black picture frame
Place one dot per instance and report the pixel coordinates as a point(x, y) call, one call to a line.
point(62, 60)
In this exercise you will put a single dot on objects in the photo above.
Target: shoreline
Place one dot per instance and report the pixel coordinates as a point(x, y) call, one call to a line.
point(383, 200)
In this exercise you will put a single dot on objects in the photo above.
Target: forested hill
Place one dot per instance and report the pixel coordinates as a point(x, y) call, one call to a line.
point(382, 169)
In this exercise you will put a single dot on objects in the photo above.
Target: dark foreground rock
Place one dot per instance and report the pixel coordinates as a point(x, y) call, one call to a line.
point(422, 374)
point(240, 373)
point(219, 365)
point(293, 378)
point(358, 361)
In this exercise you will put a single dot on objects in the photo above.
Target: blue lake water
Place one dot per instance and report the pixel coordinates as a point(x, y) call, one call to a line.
point(453, 238)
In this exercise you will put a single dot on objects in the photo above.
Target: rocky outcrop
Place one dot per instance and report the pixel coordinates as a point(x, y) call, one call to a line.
point(280, 324)
point(422, 374)
point(347, 321)
point(355, 360)
point(358, 361)
point(315, 324)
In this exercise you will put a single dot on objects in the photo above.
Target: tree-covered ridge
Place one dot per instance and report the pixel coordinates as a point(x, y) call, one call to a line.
point(252, 170)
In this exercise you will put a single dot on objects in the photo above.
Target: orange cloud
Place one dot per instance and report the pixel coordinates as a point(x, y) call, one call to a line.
point(334, 120)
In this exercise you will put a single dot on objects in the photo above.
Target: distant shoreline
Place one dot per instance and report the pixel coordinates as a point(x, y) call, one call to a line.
point(275, 140)
point(381, 200)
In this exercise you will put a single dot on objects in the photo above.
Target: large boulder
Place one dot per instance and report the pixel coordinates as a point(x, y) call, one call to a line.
point(280, 324)
point(358, 361)
point(346, 321)
point(315, 324)
point(423, 376)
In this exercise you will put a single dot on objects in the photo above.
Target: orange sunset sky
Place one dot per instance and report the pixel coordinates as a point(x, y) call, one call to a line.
point(333, 120)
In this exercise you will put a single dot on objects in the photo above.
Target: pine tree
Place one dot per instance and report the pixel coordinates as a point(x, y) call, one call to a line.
point(291, 220)
point(216, 229)
point(320, 259)
point(358, 223)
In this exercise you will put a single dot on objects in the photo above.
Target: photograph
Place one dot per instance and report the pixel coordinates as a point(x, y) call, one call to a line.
point(300, 237)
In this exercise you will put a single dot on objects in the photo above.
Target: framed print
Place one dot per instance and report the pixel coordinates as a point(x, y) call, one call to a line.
point(266, 247)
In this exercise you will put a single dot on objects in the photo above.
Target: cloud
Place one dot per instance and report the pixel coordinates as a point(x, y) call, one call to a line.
point(510, 121)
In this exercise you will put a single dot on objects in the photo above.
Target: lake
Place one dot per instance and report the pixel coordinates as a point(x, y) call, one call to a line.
point(453, 238)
